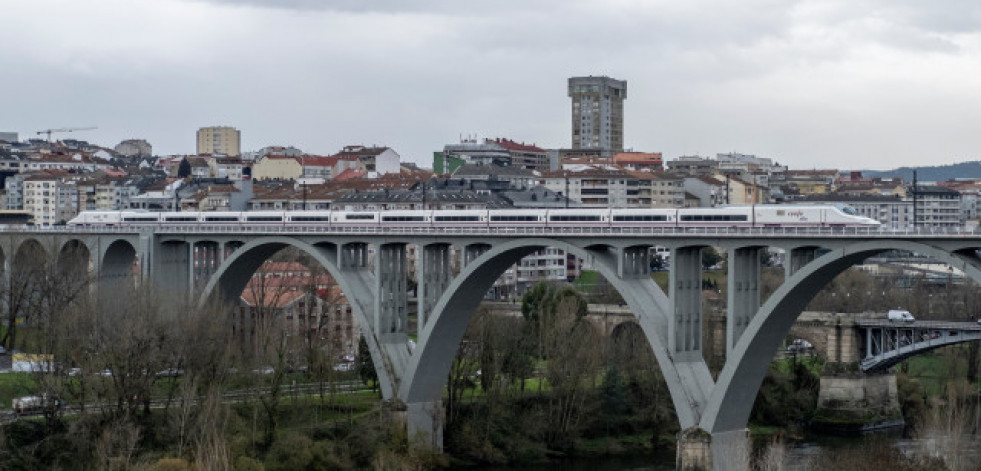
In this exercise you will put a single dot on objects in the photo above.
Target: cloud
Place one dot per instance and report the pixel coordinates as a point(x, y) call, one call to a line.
point(830, 81)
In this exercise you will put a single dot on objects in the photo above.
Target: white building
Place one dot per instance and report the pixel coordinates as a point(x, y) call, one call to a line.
point(50, 198)
point(375, 160)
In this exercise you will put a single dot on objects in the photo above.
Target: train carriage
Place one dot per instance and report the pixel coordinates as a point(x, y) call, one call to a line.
point(723, 216)
point(459, 218)
point(578, 217)
point(317, 218)
point(130, 218)
point(222, 217)
point(516, 217)
point(354, 218)
point(180, 217)
point(264, 218)
point(642, 217)
point(406, 218)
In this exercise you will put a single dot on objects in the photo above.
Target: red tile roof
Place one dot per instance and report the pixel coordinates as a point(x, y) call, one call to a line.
point(511, 145)
point(637, 158)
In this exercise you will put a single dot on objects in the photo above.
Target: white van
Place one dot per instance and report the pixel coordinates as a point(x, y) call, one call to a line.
point(899, 315)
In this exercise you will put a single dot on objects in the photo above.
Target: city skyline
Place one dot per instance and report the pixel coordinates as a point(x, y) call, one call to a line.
point(834, 84)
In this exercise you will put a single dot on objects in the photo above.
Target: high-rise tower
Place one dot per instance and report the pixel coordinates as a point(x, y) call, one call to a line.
point(597, 112)
point(224, 140)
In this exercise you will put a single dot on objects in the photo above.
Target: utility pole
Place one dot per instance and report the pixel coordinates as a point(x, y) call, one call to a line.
point(915, 201)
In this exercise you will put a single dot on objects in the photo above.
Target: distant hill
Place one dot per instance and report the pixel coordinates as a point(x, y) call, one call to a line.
point(936, 173)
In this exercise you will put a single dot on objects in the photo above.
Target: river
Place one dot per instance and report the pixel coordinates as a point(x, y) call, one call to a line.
point(797, 456)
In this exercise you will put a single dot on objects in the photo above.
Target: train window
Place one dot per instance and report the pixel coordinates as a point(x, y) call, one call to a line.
point(713, 217)
point(352, 217)
point(514, 218)
point(457, 218)
point(221, 218)
point(403, 218)
point(182, 218)
point(140, 219)
point(573, 218)
point(309, 218)
point(639, 217)
point(264, 218)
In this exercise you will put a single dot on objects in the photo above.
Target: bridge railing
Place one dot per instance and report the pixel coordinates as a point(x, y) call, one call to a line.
point(790, 232)
point(889, 342)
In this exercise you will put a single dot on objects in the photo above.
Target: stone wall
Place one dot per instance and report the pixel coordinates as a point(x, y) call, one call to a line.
point(856, 402)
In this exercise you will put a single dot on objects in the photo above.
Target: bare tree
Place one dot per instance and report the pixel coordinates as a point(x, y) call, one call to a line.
point(572, 365)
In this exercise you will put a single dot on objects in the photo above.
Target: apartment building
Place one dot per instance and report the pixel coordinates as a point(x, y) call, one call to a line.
point(50, 197)
point(592, 187)
point(220, 140)
point(597, 112)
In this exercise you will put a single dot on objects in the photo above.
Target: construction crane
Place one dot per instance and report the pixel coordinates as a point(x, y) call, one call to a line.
point(49, 131)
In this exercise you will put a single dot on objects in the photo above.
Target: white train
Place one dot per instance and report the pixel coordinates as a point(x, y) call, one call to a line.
point(726, 216)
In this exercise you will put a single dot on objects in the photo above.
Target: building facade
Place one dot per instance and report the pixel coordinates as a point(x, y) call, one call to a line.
point(134, 148)
point(597, 112)
point(50, 198)
point(224, 140)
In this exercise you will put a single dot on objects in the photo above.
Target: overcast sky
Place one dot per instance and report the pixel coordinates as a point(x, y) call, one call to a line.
point(816, 84)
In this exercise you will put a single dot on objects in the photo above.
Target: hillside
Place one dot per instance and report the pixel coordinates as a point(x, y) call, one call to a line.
point(935, 173)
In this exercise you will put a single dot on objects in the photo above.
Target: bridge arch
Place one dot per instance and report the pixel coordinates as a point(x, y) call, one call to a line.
point(688, 382)
point(234, 273)
point(738, 384)
point(74, 259)
point(29, 257)
point(118, 261)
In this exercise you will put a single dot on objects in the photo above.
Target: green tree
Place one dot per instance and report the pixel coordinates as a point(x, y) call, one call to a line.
point(184, 169)
point(710, 257)
point(540, 305)
point(657, 262)
point(366, 369)
point(614, 392)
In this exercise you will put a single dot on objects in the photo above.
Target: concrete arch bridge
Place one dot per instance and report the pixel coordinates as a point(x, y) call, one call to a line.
point(455, 267)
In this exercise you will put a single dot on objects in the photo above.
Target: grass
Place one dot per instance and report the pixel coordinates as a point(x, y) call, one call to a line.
point(588, 282)
point(935, 369)
point(812, 363)
point(13, 385)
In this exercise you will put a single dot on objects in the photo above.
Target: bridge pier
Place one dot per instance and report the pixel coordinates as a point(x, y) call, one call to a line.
point(434, 275)
point(744, 292)
point(172, 265)
point(698, 450)
point(685, 337)
point(424, 423)
point(853, 402)
point(797, 258)
point(634, 262)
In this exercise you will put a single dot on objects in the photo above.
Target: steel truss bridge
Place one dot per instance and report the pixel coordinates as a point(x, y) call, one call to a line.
point(889, 343)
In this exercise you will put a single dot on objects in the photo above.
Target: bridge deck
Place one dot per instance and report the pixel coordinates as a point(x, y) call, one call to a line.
point(919, 325)
point(285, 229)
